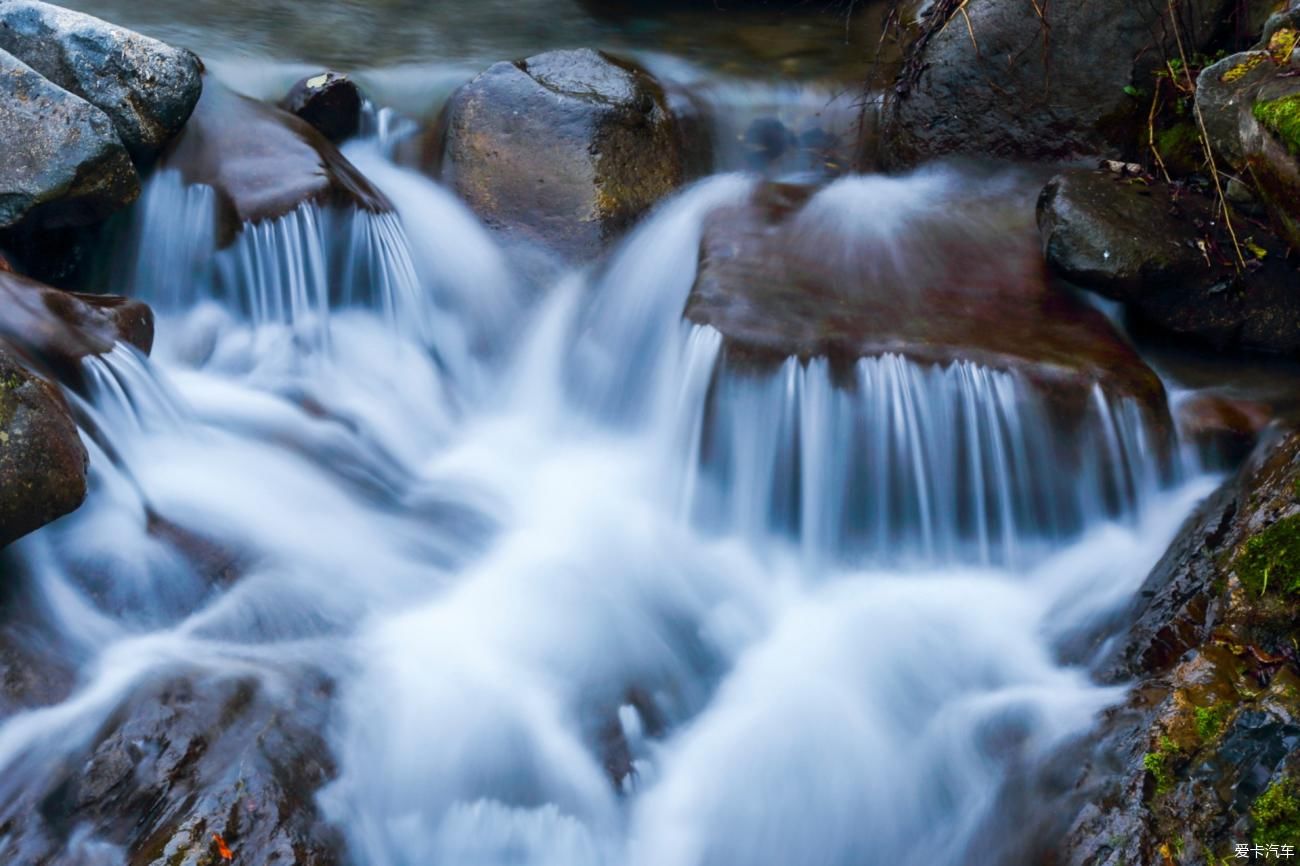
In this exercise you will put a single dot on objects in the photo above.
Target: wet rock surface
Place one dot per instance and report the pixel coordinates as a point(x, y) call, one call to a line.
point(1170, 259)
point(565, 148)
point(1194, 760)
point(185, 766)
point(1224, 429)
point(777, 278)
point(42, 459)
point(330, 102)
point(56, 329)
point(148, 89)
point(263, 162)
point(1047, 82)
point(63, 164)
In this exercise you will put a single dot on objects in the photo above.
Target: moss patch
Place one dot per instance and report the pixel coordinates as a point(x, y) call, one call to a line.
point(1209, 720)
point(1157, 763)
point(1282, 118)
point(1270, 560)
point(1277, 814)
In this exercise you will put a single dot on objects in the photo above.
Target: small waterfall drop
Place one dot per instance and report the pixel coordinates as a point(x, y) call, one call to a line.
point(586, 594)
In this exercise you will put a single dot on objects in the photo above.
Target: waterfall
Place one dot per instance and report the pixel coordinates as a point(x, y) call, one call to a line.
point(591, 596)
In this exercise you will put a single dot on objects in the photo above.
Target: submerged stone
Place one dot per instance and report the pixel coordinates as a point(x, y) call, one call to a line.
point(146, 87)
point(185, 761)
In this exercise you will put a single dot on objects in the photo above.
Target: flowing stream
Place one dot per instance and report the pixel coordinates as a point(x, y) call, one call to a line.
point(589, 598)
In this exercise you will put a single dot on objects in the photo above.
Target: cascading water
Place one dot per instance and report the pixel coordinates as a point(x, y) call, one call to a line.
point(591, 598)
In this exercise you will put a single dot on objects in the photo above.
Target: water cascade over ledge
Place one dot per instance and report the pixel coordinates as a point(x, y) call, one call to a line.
point(568, 584)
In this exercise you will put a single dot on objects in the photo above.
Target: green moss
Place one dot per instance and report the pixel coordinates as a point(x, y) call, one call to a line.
point(1277, 814)
point(1209, 720)
point(1282, 118)
point(1157, 764)
point(1180, 147)
point(1270, 560)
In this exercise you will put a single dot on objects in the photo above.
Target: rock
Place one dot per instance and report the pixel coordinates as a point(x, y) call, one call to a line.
point(1224, 430)
point(330, 102)
point(870, 266)
point(147, 88)
point(56, 329)
point(1251, 106)
point(1163, 253)
point(263, 162)
point(993, 78)
point(1212, 723)
point(42, 460)
point(567, 148)
point(192, 756)
point(63, 163)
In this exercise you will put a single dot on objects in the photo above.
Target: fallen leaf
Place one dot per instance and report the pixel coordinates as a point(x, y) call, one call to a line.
point(222, 848)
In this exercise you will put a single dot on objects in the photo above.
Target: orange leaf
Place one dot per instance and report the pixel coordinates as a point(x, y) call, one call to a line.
point(222, 848)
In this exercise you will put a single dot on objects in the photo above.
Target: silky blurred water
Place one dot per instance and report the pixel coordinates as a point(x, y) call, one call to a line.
point(589, 596)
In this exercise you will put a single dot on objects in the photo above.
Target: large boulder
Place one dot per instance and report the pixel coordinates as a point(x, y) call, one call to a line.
point(147, 88)
point(263, 162)
point(1165, 254)
point(868, 267)
point(1251, 106)
point(42, 460)
point(1205, 752)
point(1040, 81)
point(566, 149)
point(185, 766)
point(63, 164)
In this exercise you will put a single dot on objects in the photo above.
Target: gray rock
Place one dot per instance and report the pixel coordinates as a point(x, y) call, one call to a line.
point(993, 78)
point(1167, 256)
point(63, 164)
point(148, 88)
point(565, 149)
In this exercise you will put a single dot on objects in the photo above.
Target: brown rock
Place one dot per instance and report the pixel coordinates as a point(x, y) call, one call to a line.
point(263, 162)
point(965, 281)
point(42, 461)
point(1225, 430)
point(57, 329)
